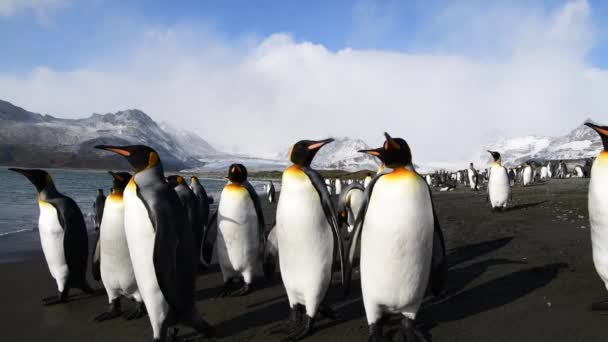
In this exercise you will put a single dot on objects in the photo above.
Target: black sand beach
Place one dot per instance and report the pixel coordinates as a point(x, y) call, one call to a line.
point(522, 275)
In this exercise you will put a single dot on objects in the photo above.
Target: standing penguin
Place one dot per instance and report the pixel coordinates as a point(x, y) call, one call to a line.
point(115, 262)
point(402, 247)
point(499, 187)
point(307, 235)
point(527, 174)
point(473, 177)
point(338, 186)
point(203, 201)
point(544, 173)
point(367, 180)
point(63, 235)
point(270, 193)
point(240, 231)
point(160, 244)
point(598, 212)
point(193, 215)
point(349, 204)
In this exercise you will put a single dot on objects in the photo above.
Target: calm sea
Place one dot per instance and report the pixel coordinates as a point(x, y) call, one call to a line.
point(19, 237)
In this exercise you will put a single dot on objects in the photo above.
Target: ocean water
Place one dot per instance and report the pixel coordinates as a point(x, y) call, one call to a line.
point(19, 237)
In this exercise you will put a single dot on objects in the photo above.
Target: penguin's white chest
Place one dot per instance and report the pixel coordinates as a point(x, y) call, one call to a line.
point(116, 268)
point(598, 215)
point(305, 240)
point(396, 245)
point(238, 234)
point(140, 240)
point(499, 188)
point(51, 238)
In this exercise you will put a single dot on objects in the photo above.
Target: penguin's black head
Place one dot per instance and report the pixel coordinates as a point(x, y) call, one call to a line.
point(120, 181)
point(304, 151)
point(237, 173)
point(602, 131)
point(376, 152)
point(141, 157)
point(397, 152)
point(495, 155)
point(193, 179)
point(175, 180)
point(100, 191)
point(40, 178)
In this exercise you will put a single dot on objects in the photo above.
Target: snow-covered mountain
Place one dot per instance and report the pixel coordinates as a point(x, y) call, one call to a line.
point(341, 155)
point(582, 142)
point(32, 139)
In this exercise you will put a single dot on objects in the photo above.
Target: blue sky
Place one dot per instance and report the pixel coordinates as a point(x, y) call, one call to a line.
point(63, 34)
point(464, 71)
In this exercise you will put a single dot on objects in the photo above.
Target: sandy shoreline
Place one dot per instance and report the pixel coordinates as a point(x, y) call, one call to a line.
point(523, 275)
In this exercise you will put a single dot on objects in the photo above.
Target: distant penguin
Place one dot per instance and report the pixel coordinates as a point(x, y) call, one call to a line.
point(544, 173)
point(402, 247)
point(271, 193)
point(193, 215)
point(429, 180)
point(499, 188)
point(338, 186)
point(578, 169)
point(473, 177)
point(160, 244)
point(349, 204)
point(63, 235)
point(598, 212)
point(308, 237)
point(527, 174)
point(240, 232)
point(368, 179)
point(549, 170)
point(203, 202)
point(511, 177)
point(115, 262)
point(100, 201)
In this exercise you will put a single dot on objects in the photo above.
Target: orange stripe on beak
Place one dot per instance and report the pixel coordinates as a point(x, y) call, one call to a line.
point(120, 151)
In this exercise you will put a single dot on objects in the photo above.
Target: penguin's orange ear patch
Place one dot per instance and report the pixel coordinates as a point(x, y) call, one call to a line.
point(153, 159)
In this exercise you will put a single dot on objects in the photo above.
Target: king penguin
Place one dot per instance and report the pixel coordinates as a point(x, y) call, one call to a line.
point(527, 175)
point(203, 202)
point(193, 214)
point(63, 235)
point(240, 232)
point(473, 177)
point(160, 243)
point(308, 237)
point(115, 262)
point(271, 193)
point(598, 212)
point(402, 246)
point(349, 204)
point(499, 188)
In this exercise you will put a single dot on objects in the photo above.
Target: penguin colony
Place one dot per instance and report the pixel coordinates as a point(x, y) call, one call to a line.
point(156, 232)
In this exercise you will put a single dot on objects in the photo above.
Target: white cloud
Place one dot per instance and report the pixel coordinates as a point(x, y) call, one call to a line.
point(11, 7)
point(262, 95)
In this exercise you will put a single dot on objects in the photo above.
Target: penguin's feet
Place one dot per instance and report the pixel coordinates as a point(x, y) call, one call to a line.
point(53, 300)
point(138, 312)
point(113, 312)
point(600, 306)
point(375, 333)
point(244, 290)
point(226, 289)
point(291, 323)
point(410, 333)
point(327, 312)
point(302, 330)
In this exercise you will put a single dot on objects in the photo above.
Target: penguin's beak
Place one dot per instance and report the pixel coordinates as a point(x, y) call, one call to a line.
point(603, 131)
point(21, 171)
point(318, 144)
point(374, 152)
point(115, 149)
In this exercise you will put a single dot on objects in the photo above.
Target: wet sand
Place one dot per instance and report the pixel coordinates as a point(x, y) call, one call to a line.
point(522, 275)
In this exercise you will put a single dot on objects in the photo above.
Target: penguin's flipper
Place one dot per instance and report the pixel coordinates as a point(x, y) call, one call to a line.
point(258, 210)
point(356, 234)
point(328, 207)
point(97, 260)
point(271, 254)
point(209, 238)
point(75, 238)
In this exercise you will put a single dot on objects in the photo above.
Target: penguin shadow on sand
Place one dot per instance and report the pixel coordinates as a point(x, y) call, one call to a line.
point(524, 206)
